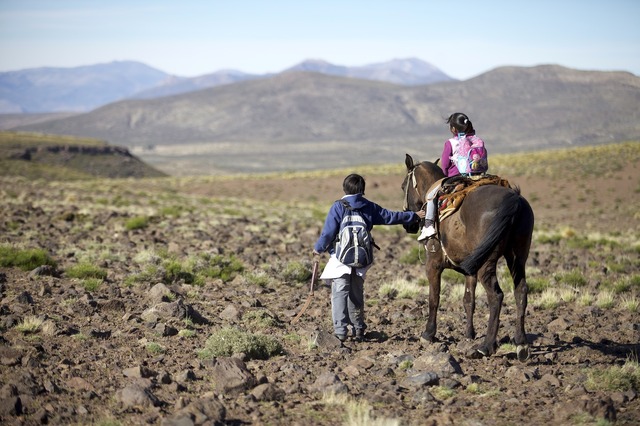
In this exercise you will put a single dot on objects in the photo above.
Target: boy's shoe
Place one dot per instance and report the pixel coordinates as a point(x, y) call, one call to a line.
point(359, 337)
point(341, 337)
point(427, 232)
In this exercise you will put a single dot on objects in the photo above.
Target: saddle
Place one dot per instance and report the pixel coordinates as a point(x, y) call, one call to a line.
point(454, 190)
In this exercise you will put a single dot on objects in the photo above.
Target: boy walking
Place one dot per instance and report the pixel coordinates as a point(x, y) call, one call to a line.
point(347, 283)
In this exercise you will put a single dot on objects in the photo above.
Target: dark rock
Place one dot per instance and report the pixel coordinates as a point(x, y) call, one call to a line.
point(100, 334)
point(138, 372)
point(328, 382)
point(11, 406)
point(113, 305)
point(44, 270)
point(25, 298)
point(268, 392)
point(137, 395)
point(10, 356)
point(230, 375)
point(165, 330)
point(422, 379)
point(204, 411)
point(599, 408)
point(441, 363)
point(185, 376)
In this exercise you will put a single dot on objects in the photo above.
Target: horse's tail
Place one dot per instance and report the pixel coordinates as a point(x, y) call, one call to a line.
point(500, 225)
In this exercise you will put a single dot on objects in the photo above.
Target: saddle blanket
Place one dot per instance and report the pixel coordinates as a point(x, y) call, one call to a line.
point(454, 191)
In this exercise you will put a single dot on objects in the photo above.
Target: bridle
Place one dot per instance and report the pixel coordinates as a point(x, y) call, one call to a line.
point(411, 180)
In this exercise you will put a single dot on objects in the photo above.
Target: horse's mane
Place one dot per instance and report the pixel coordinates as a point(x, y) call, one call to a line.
point(432, 168)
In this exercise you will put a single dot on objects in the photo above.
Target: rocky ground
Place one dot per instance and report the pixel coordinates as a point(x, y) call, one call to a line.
point(129, 350)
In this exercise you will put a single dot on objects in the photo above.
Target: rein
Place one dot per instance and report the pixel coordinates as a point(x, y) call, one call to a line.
point(411, 178)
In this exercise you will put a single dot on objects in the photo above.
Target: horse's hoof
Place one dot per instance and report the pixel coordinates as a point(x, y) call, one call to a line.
point(522, 352)
point(426, 338)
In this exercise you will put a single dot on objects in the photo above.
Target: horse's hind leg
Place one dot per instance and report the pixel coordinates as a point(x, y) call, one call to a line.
point(434, 275)
point(469, 302)
point(516, 256)
point(489, 280)
point(520, 290)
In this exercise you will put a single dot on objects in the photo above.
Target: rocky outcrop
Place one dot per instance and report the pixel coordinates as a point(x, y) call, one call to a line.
point(96, 160)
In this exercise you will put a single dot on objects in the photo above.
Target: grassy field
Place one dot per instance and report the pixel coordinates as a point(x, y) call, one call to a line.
point(237, 250)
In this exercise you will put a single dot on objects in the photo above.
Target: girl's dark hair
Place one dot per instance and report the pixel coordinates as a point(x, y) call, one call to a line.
point(461, 123)
point(353, 184)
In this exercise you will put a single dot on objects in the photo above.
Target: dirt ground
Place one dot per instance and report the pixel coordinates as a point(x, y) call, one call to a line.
point(94, 364)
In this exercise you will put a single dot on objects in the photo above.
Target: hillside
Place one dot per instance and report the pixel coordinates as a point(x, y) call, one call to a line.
point(53, 157)
point(302, 120)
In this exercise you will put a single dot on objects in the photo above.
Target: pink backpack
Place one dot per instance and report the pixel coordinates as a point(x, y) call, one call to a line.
point(469, 154)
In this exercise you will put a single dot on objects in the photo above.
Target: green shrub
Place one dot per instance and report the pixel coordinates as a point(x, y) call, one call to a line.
point(187, 333)
point(296, 272)
point(137, 222)
point(229, 341)
point(150, 273)
point(260, 319)
point(91, 284)
point(176, 271)
point(618, 286)
point(452, 277)
point(30, 324)
point(548, 299)
point(549, 239)
point(86, 270)
point(26, 259)
point(259, 278)
point(221, 267)
point(412, 257)
point(155, 348)
point(172, 211)
point(581, 242)
point(537, 284)
point(615, 378)
point(574, 278)
point(193, 270)
point(605, 299)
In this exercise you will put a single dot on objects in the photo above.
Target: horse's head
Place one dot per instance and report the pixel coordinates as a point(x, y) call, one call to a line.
point(416, 183)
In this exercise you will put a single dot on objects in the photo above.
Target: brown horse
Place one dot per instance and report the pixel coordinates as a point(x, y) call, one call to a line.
point(492, 222)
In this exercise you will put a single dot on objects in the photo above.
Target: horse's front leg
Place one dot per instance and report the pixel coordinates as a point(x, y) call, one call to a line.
point(469, 302)
point(434, 275)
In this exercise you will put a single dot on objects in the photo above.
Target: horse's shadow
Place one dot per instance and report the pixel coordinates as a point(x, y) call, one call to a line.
point(621, 351)
point(604, 346)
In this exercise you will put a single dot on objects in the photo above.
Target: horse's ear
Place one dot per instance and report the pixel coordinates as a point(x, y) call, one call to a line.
point(408, 161)
point(437, 161)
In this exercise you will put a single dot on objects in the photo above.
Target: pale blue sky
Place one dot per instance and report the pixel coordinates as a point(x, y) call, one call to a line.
point(190, 38)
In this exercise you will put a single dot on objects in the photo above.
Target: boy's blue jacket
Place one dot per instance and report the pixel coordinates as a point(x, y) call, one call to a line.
point(373, 215)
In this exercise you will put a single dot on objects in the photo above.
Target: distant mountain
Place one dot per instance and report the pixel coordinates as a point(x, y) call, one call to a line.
point(303, 118)
point(76, 89)
point(410, 71)
point(82, 89)
point(180, 85)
